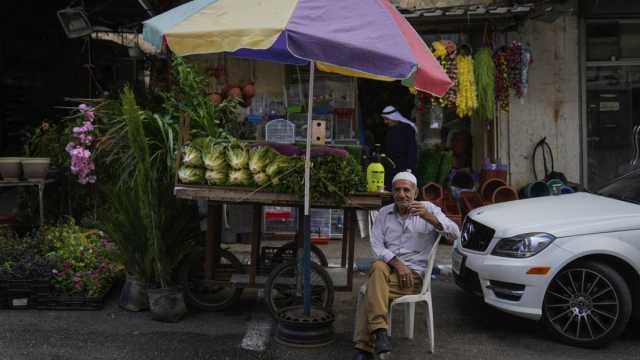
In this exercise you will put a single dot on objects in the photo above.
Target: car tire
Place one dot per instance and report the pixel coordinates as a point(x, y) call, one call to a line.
point(587, 304)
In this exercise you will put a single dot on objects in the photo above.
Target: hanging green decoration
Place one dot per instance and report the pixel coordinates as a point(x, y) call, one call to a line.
point(485, 73)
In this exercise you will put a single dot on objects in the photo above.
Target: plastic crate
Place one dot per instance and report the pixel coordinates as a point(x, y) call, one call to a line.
point(50, 302)
point(20, 294)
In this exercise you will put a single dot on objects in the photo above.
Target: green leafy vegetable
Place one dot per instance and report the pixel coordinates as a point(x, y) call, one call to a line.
point(279, 164)
point(191, 156)
point(239, 177)
point(260, 178)
point(191, 175)
point(214, 157)
point(216, 177)
point(259, 158)
point(237, 155)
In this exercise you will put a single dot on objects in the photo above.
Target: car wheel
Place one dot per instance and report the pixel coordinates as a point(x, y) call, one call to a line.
point(587, 304)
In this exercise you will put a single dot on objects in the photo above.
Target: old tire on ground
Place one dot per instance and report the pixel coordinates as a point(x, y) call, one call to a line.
point(204, 295)
point(587, 304)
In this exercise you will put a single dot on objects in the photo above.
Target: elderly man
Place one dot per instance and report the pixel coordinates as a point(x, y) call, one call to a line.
point(402, 237)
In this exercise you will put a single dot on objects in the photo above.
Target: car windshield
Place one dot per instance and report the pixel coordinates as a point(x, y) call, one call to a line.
point(626, 188)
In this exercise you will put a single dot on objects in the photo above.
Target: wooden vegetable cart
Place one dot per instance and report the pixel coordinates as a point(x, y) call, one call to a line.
point(221, 273)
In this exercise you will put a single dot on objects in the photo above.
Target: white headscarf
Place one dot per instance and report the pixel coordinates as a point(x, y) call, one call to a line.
point(391, 113)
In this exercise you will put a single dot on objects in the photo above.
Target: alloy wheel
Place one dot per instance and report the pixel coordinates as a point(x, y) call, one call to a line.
point(582, 305)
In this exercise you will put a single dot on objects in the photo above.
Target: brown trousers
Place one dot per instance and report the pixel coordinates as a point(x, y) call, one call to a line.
point(383, 287)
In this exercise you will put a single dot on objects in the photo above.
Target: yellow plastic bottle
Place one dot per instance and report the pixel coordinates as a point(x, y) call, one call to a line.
point(375, 176)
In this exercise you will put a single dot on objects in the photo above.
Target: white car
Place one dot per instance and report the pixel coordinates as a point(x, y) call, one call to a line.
point(571, 261)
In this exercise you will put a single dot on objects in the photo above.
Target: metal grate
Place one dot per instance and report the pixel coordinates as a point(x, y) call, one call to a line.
point(280, 131)
point(476, 236)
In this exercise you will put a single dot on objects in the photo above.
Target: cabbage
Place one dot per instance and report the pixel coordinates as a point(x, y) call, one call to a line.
point(191, 156)
point(214, 157)
point(201, 143)
point(239, 177)
point(260, 178)
point(237, 156)
point(277, 166)
point(191, 175)
point(216, 177)
point(259, 158)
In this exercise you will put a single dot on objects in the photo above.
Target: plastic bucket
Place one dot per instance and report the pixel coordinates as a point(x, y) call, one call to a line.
point(566, 190)
point(536, 189)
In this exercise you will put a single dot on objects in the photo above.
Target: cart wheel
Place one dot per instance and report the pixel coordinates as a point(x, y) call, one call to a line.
point(213, 295)
point(281, 290)
point(287, 252)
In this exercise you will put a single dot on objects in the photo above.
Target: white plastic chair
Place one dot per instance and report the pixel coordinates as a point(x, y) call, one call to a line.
point(410, 301)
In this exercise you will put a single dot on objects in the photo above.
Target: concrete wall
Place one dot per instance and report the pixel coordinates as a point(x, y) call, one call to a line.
point(551, 108)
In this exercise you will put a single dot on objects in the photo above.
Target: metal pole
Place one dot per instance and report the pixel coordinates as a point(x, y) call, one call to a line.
point(306, 261)
point(41, 202)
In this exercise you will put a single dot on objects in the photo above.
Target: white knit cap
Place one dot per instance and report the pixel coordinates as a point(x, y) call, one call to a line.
point(392, 114)
point(405, 175)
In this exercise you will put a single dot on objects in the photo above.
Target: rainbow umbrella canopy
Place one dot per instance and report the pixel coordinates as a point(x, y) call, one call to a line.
point(362, 38)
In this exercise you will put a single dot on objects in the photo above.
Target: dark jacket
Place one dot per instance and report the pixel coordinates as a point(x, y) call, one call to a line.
point(400, 145)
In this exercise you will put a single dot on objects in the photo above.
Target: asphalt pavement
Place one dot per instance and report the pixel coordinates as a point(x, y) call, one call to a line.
point(466, 328)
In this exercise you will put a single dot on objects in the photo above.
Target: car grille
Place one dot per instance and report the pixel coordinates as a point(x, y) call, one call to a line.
point(476, 236)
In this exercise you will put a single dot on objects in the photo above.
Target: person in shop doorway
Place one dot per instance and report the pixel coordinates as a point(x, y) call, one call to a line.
point(400, 143)
point(402, 236)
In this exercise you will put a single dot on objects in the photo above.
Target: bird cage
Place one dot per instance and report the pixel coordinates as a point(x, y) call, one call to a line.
point(280, 219)
point(280, 131)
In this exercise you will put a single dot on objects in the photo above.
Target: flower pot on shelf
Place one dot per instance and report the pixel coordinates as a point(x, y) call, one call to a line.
point(167, 304)
point(10, 168)
point(133, 296)
point(35, 168)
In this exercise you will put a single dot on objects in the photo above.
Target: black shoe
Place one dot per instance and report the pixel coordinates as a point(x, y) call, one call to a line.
point(383, 342)
point(363, 355)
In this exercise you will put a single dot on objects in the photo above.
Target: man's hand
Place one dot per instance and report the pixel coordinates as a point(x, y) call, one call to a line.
point(405, 275)
point(417, 208)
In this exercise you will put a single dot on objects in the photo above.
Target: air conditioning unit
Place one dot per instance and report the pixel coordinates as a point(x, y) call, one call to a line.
point(75, 23)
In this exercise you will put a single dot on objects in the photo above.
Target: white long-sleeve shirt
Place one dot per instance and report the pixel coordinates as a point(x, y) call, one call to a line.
point(408, 238)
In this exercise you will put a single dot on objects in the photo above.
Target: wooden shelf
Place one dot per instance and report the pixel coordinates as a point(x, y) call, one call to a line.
point(239, 195)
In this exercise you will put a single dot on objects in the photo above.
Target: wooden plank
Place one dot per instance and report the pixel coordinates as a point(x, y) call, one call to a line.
point(214, 232)
point(240, 195)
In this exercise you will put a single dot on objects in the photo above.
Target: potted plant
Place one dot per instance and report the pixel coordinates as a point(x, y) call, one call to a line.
point(153, 227)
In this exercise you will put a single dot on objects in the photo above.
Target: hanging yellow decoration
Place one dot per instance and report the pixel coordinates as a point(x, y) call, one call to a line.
point(439, 50)
point(467, 100)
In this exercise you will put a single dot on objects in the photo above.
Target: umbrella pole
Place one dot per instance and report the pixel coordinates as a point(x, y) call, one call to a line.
point(306, 261)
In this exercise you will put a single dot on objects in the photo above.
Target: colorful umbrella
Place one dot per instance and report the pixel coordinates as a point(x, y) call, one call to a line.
point(363, 38)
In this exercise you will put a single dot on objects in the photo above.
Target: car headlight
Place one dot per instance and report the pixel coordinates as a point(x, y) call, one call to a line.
point(523, 245)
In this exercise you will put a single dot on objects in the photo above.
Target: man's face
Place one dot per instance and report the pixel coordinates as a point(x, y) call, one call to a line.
point(389, 122)
point(403, 192)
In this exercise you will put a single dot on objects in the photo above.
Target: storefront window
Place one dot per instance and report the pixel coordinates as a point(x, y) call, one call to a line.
point(613, 40)
point(613, 110)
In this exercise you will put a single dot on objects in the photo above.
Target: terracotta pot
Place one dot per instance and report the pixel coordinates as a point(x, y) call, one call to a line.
point(235, 92)
point(216, 98)
point(249, 90)
point(10, 168)
point(246, 101)
point(35, 168)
